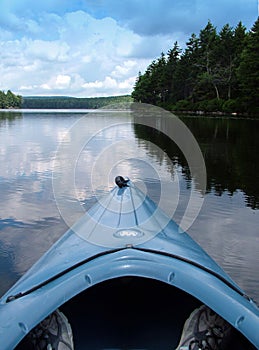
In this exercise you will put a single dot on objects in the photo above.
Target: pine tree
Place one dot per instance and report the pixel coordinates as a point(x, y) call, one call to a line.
point(239, 44)
point(173, 56)
point(225, 61)
point(248, 72)
point(10, 100)
point(208, 77)
point(215, 72)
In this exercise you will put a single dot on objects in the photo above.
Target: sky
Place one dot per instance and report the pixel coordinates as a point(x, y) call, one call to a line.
point(91, 48)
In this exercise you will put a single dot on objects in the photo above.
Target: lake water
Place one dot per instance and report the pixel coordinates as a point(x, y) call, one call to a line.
point(53, 166)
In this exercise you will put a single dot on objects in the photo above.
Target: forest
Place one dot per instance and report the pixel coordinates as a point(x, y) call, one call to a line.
point(10, 100)
point(63, 102)
point(218, 71)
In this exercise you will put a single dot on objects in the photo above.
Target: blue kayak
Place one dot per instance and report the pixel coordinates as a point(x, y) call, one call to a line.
point(126, 277)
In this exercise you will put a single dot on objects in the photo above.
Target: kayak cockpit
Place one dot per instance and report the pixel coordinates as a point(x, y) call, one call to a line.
point(131, 313)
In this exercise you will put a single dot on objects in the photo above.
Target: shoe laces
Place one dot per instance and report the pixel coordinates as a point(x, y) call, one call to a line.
point(208, 339)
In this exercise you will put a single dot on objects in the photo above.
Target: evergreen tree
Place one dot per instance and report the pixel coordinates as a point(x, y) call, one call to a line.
point(215, 72)
point(239, 41)
point(171, 82)
point(239, 44)
point(143, 90)
point(225, 60)
point(2, 99)
point(208, 78)
point(10, 100)
point(189, 68)
point(138, 90)
point(159, 80)
point(249, 70)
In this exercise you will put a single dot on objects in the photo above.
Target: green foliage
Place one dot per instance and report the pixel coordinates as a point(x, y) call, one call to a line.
point(230, 106)
point(213, 105)
point(248, 71)
point(217, 71)
point(56, 102)
point(10, 100)
point(183, 105)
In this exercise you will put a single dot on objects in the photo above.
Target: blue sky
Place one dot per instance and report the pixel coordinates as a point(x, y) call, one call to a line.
point(87, 48)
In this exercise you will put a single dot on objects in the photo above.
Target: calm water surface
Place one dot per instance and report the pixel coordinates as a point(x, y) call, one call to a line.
point(34, 147)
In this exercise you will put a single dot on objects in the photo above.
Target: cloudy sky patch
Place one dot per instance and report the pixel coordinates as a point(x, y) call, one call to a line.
point(96, 48)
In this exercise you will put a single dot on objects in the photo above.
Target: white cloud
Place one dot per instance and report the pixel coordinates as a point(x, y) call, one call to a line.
point(127, 84)
point(63, 81)
point(109, 86)
point(45, 86)
point(124, 69)
point(59, 82)
point(73, 53)
point(88, 56)
point(47, 50)
point(107, 83)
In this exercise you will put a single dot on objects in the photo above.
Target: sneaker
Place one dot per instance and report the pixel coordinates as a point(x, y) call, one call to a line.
point(53, 333)
point(204, 330)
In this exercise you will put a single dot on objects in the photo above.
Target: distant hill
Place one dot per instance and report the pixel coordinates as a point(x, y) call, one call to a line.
point(66, 102)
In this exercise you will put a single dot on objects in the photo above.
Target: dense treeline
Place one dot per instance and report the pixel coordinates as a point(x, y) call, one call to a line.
point(217, 71)
point(57, 102)
point(10, 100)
